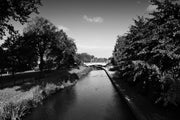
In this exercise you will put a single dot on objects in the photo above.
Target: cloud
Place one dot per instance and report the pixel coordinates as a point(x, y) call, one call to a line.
point(93, 19)
point(61, 27)
point(151, 8)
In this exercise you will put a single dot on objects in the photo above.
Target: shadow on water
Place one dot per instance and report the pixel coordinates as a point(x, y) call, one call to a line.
point(92, 98)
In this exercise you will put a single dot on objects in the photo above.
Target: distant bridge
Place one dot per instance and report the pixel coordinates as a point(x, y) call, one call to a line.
point(96, 64)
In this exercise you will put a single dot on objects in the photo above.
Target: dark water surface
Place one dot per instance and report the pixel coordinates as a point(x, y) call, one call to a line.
point(92, 98)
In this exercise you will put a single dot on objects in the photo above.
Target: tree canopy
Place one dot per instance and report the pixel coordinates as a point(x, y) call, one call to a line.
point(155, 42)
point(40, 34)
point(41, 43)
point(16, 10)
point(85, 57)
point(153, 38)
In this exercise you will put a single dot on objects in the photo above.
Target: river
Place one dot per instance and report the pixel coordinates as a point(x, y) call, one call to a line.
point(92, 98)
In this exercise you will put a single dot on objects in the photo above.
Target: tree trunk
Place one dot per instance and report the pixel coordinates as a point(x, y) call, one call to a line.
point(41, 65)
point(13, 73)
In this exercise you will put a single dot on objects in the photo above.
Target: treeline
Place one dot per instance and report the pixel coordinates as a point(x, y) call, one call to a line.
point(148, 56)
point(41, 44)
point(85, 57)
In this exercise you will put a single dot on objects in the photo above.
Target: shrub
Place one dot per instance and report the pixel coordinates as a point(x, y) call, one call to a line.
point(50, 89)
point(37, 96)
point(150, 81)
point(168, 90)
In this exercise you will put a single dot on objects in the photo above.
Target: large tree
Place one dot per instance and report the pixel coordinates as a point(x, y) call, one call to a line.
point(40, 34)
point(152, 48)
point(18, 55)
point(15, 10)
point(69, 52)
point(155, 39)
point(11, 46)
point(63, 50)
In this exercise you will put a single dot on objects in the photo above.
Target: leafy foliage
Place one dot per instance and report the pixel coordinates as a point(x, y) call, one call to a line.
point(18, 55)
point(62, 51)
point(155, 42)
point(41, 43)
point(85, 57)
point(40, 33)
point(16, 10)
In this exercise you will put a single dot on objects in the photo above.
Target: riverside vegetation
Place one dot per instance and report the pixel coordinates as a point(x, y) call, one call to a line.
point(148, 56)
point(41, 47)
point(21, 104)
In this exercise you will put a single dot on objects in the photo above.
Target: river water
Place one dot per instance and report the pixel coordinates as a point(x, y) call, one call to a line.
point(92, 98)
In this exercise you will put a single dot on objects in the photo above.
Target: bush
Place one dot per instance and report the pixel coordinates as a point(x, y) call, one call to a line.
point(50, 89)
point(141, 75)
point(168, 90)
point(37, 96)
point(148, 80)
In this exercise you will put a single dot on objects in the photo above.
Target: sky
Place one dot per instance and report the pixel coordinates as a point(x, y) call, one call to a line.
point(93, 24)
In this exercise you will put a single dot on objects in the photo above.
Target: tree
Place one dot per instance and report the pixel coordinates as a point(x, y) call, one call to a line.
point(55, 55)
point(17, 10)
point(152, 48)
point(166, 20)
point(119, 49)
point(85, 57)
point(154, 39)
point(11, 47)
point(63, 50)
point(39, 34)
point(18, 56)
point(69, 52)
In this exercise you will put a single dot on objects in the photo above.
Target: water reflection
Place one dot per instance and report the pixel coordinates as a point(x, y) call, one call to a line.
point(93, 98)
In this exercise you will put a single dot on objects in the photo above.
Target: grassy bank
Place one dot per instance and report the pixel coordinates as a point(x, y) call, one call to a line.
point(17, 101)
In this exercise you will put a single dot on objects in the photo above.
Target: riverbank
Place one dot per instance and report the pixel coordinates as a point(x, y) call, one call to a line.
point(142, 108)
point(136, 112)
point(92, 98)
point(17, 101)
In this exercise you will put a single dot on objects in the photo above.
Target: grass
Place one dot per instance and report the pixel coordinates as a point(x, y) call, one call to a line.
point(15, 110)
point(17, 101)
